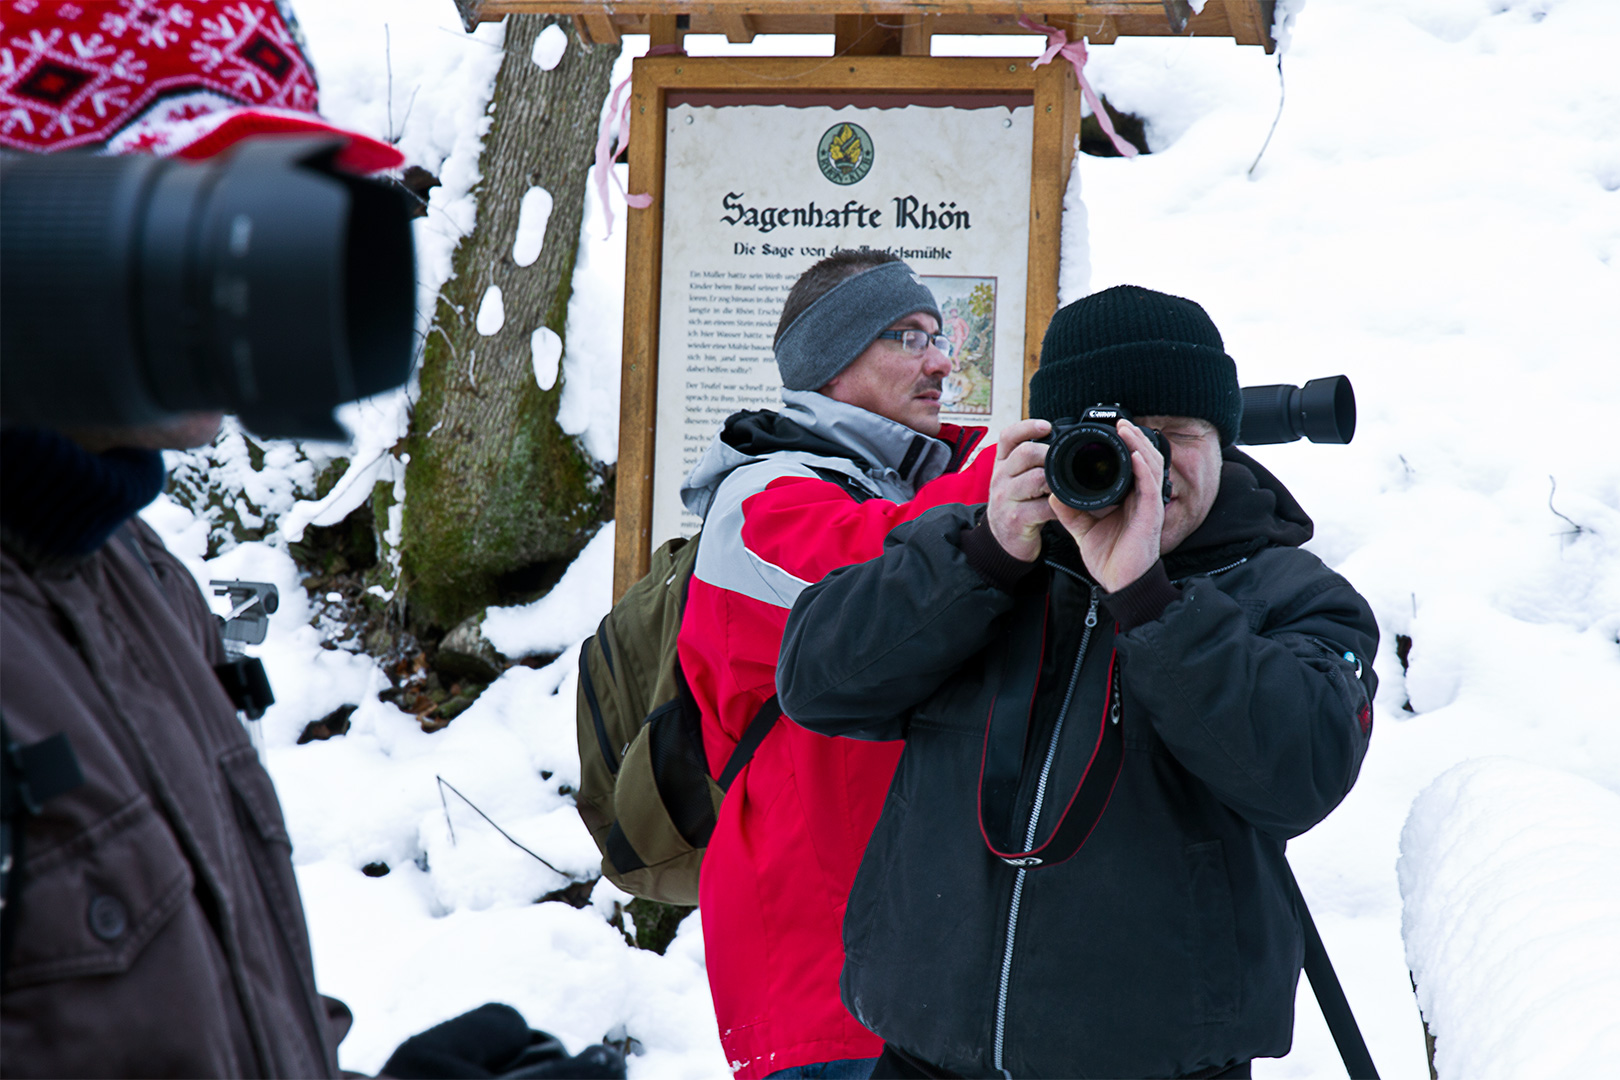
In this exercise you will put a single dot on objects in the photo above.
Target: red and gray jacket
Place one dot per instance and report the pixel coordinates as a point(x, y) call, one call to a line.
point(787, 497)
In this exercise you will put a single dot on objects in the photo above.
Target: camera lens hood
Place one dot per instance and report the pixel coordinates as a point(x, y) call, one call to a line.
point(1323, 411)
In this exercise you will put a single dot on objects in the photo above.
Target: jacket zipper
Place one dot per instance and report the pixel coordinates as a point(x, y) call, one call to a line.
point(1040, 794)
point(1211, 573)
point(1034, 818)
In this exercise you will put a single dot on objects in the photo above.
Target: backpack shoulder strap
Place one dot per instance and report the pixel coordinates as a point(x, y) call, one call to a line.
point(765, 719)
point(759, 727)
point(851, 486)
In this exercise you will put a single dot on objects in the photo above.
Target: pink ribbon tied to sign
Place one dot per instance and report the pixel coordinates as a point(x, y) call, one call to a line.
point(1058, 44)
point(616, 131)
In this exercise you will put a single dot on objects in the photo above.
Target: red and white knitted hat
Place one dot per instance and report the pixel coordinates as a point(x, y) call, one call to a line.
point(180, 78)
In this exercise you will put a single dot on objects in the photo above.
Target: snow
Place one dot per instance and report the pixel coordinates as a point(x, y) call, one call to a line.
point(491, 312)
point(565, 615)
point(545, 352)
point(1510, 877)
point(549, 47)
point(533, 213)
point(1435, 216)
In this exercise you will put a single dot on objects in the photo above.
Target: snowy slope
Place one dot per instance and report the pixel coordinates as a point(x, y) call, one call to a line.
point(1438, 217)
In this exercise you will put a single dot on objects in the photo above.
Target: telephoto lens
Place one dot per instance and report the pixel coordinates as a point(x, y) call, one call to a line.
point(1323, 411)
point(266, 282)
point(1088, 466)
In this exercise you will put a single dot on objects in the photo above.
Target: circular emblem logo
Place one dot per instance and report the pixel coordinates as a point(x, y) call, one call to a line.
point(845, 153)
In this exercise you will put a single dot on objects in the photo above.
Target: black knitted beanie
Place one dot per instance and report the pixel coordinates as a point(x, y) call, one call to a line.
point(1155, 354)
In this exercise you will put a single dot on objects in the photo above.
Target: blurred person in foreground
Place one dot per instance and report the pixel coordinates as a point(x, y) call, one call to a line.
point(856, 449)
point(152, 921)
point(1113, 723)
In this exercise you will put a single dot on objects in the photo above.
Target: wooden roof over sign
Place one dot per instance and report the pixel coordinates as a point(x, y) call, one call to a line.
point(875, 27)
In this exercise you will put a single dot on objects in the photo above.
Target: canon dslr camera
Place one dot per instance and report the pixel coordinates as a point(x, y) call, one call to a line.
point(1088, 466)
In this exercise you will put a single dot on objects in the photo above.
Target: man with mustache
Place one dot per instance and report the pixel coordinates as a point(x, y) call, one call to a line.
point(786, 497)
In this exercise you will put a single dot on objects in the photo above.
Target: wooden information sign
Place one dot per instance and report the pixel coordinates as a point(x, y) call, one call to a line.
point(759, 168)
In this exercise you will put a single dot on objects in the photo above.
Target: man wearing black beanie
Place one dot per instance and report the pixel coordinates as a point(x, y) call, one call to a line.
point(1114, 720)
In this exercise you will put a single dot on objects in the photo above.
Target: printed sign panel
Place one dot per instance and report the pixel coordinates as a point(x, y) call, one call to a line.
point(757, 193)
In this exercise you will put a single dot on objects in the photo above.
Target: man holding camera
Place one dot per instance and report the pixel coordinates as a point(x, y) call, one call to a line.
point(786, 496)
point(1114, 719)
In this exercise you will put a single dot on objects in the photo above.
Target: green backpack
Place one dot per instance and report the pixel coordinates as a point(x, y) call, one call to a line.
point(645, 792)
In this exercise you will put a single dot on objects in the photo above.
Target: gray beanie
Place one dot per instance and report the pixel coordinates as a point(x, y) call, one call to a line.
point(844, 320)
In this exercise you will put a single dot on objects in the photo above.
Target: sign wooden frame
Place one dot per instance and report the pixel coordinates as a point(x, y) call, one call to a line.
point(1055, 142)
point(865, 25)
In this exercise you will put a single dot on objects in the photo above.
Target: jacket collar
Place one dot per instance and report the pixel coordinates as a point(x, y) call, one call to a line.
point(876, 442)
point(810, 424)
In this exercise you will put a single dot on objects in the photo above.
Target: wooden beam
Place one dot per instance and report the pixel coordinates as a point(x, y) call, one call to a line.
point(1056, 141)
point(865, 35)
point(916, 34)
point(1102, 20)
point(640, 8)
point(1096, 29)
point(664, 30)
point(1179, 13)
point(1249, 26)
point(596, 29)
point(738, 26)
point(638, 393)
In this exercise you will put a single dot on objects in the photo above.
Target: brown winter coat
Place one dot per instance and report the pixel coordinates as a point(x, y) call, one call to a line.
point(159, 926)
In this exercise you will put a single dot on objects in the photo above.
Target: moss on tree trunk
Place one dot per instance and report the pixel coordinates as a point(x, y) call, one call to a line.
point(492, 484)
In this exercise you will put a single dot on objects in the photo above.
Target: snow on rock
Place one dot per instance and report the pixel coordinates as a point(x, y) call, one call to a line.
point(549, 47)
point(491, 312)
point(1510, 879)
point(534, 211)
point(242, 484)
point(565, 615)
point(545, 352)
point(354, 487)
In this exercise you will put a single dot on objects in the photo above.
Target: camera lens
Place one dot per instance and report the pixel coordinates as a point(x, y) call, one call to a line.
point(267, 283)
point(1088, 467)
point(1094, 467)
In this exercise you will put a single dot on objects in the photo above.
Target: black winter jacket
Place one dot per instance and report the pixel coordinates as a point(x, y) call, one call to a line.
point(1168, 944)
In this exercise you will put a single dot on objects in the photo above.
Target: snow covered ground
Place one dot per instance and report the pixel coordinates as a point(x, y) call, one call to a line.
point(1437, 216)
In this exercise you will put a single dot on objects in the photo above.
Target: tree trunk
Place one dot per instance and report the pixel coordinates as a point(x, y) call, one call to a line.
point(492, 485)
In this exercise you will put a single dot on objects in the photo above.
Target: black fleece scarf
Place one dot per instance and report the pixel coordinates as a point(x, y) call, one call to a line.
point(1252, 510)
point(59, 503)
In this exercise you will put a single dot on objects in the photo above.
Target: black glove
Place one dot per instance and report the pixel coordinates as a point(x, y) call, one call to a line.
point(494, 1040)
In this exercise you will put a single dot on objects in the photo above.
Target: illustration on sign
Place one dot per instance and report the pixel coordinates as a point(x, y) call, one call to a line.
point(969, 307)
point(845, 153)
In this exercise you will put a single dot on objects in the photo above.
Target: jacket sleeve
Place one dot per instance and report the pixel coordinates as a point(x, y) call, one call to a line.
point(809, 527)
point(870, 642)
point(1259, 701)
point(775, 528)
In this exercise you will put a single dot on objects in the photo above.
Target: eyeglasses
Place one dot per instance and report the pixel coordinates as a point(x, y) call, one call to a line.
point(915, 341)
